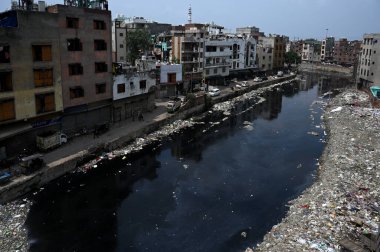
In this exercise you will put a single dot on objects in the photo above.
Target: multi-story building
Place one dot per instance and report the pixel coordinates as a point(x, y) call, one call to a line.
point(250, 31)
point(133, 89)
point(311, 52)
point(327, 49)
point(170, 79)
point(187, 49)
point(216, 60)
point(85, 39)
point(119, 43)
point(278, 45)
point(30, 77)
point(264, 59)
point(121, 26)
point(54, 71)
point(346, 52)
point(369, 61)
point(243, 49)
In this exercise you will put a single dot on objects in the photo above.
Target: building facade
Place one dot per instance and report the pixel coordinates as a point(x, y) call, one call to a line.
point(346, 52)
point(369, 61)
point(327, 49)
point(86, 78)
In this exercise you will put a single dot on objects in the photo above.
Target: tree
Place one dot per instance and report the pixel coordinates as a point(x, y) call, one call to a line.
point(138, 41)
point(292, 58)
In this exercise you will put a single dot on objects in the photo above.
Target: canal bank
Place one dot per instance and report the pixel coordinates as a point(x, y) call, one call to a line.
point(341, 209)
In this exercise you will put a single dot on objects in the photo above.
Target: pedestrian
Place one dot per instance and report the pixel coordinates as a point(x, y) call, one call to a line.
point(140, 116)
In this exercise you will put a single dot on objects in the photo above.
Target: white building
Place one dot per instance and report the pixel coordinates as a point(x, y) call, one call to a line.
point(119, 45)
point(309, 54)
point(170, 80)
point(369, 61)
point(133, 90)
point(264, 57)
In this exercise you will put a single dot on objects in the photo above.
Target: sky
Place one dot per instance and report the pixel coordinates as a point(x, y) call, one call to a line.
point(294, 18)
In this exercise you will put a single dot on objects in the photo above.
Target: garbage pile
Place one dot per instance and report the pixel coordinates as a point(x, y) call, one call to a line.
point(342, 208)
point(140, 143)
point(13, 234)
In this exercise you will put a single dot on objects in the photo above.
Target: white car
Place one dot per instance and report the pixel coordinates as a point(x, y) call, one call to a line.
point(214, 92)
point(257, 79)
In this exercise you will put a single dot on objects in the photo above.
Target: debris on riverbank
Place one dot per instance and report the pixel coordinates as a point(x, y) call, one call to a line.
point(13, 234)
point(343, 205)
point(218, 111)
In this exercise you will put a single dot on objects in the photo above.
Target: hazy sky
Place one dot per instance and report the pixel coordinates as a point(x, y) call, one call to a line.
point(293, 18)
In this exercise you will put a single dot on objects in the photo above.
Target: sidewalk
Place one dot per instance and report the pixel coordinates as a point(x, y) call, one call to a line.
point(116, 130)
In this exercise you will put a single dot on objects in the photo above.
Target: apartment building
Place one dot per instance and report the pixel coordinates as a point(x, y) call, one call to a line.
point(369, 61)
point(264, 58)
point(133, 89)
point(86, 78)
point(121, 26)
point(278, 45)
point(30, 84)
point(327, 49)
point(346, 52)
point(217, 60)
point(187, 49)
point(311, 52)
point(53, 72)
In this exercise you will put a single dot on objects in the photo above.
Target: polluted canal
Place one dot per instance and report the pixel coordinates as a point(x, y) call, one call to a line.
point(219, 185)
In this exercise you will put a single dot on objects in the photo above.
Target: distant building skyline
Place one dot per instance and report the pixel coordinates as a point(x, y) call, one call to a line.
point(294, 18)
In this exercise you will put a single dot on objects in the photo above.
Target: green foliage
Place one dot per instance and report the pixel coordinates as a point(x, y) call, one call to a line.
point(292, 57)
point(138, 41)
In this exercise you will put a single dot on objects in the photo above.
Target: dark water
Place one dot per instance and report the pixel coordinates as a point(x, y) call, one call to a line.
point(197, 192)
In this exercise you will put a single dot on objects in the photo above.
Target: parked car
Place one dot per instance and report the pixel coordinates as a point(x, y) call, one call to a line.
point(244, 84)
point(214, 92)
point(280, 73)
point(173, 105)
point(257, 79)
point(31, 163)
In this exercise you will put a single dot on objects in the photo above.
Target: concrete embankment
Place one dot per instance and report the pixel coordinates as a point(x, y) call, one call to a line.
point(341, 209)
point(326, 69)
point(67, 163)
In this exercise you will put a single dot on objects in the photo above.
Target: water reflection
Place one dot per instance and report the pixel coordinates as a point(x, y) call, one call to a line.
point(198, 192)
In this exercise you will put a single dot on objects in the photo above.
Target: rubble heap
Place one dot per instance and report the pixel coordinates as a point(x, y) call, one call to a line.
point(342, 208)
point(13, 233)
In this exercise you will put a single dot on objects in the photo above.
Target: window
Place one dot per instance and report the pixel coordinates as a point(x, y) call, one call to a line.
point(74, 44)
point(4, 54)
point(76, 92)
point(221, 49)
point(7, 110)
point(45, 103)
point(72, 22)
point(207, 71)
point(223, 69)
point(210, 48)
point(100, 67)
point(41, 52)
point(6, 81)
point(121, 46)
point(121, 34)
point(132, 85)
point(43, 77)
point(99, 25)
point(100, 45)
point(121, 88)
point(215, 70)
point(143, 84)
point(100, 88)
point(121, 57)
point(75, 69)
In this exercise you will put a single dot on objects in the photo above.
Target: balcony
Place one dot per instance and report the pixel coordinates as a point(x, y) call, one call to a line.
point(226, 53)
point(220, 64)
